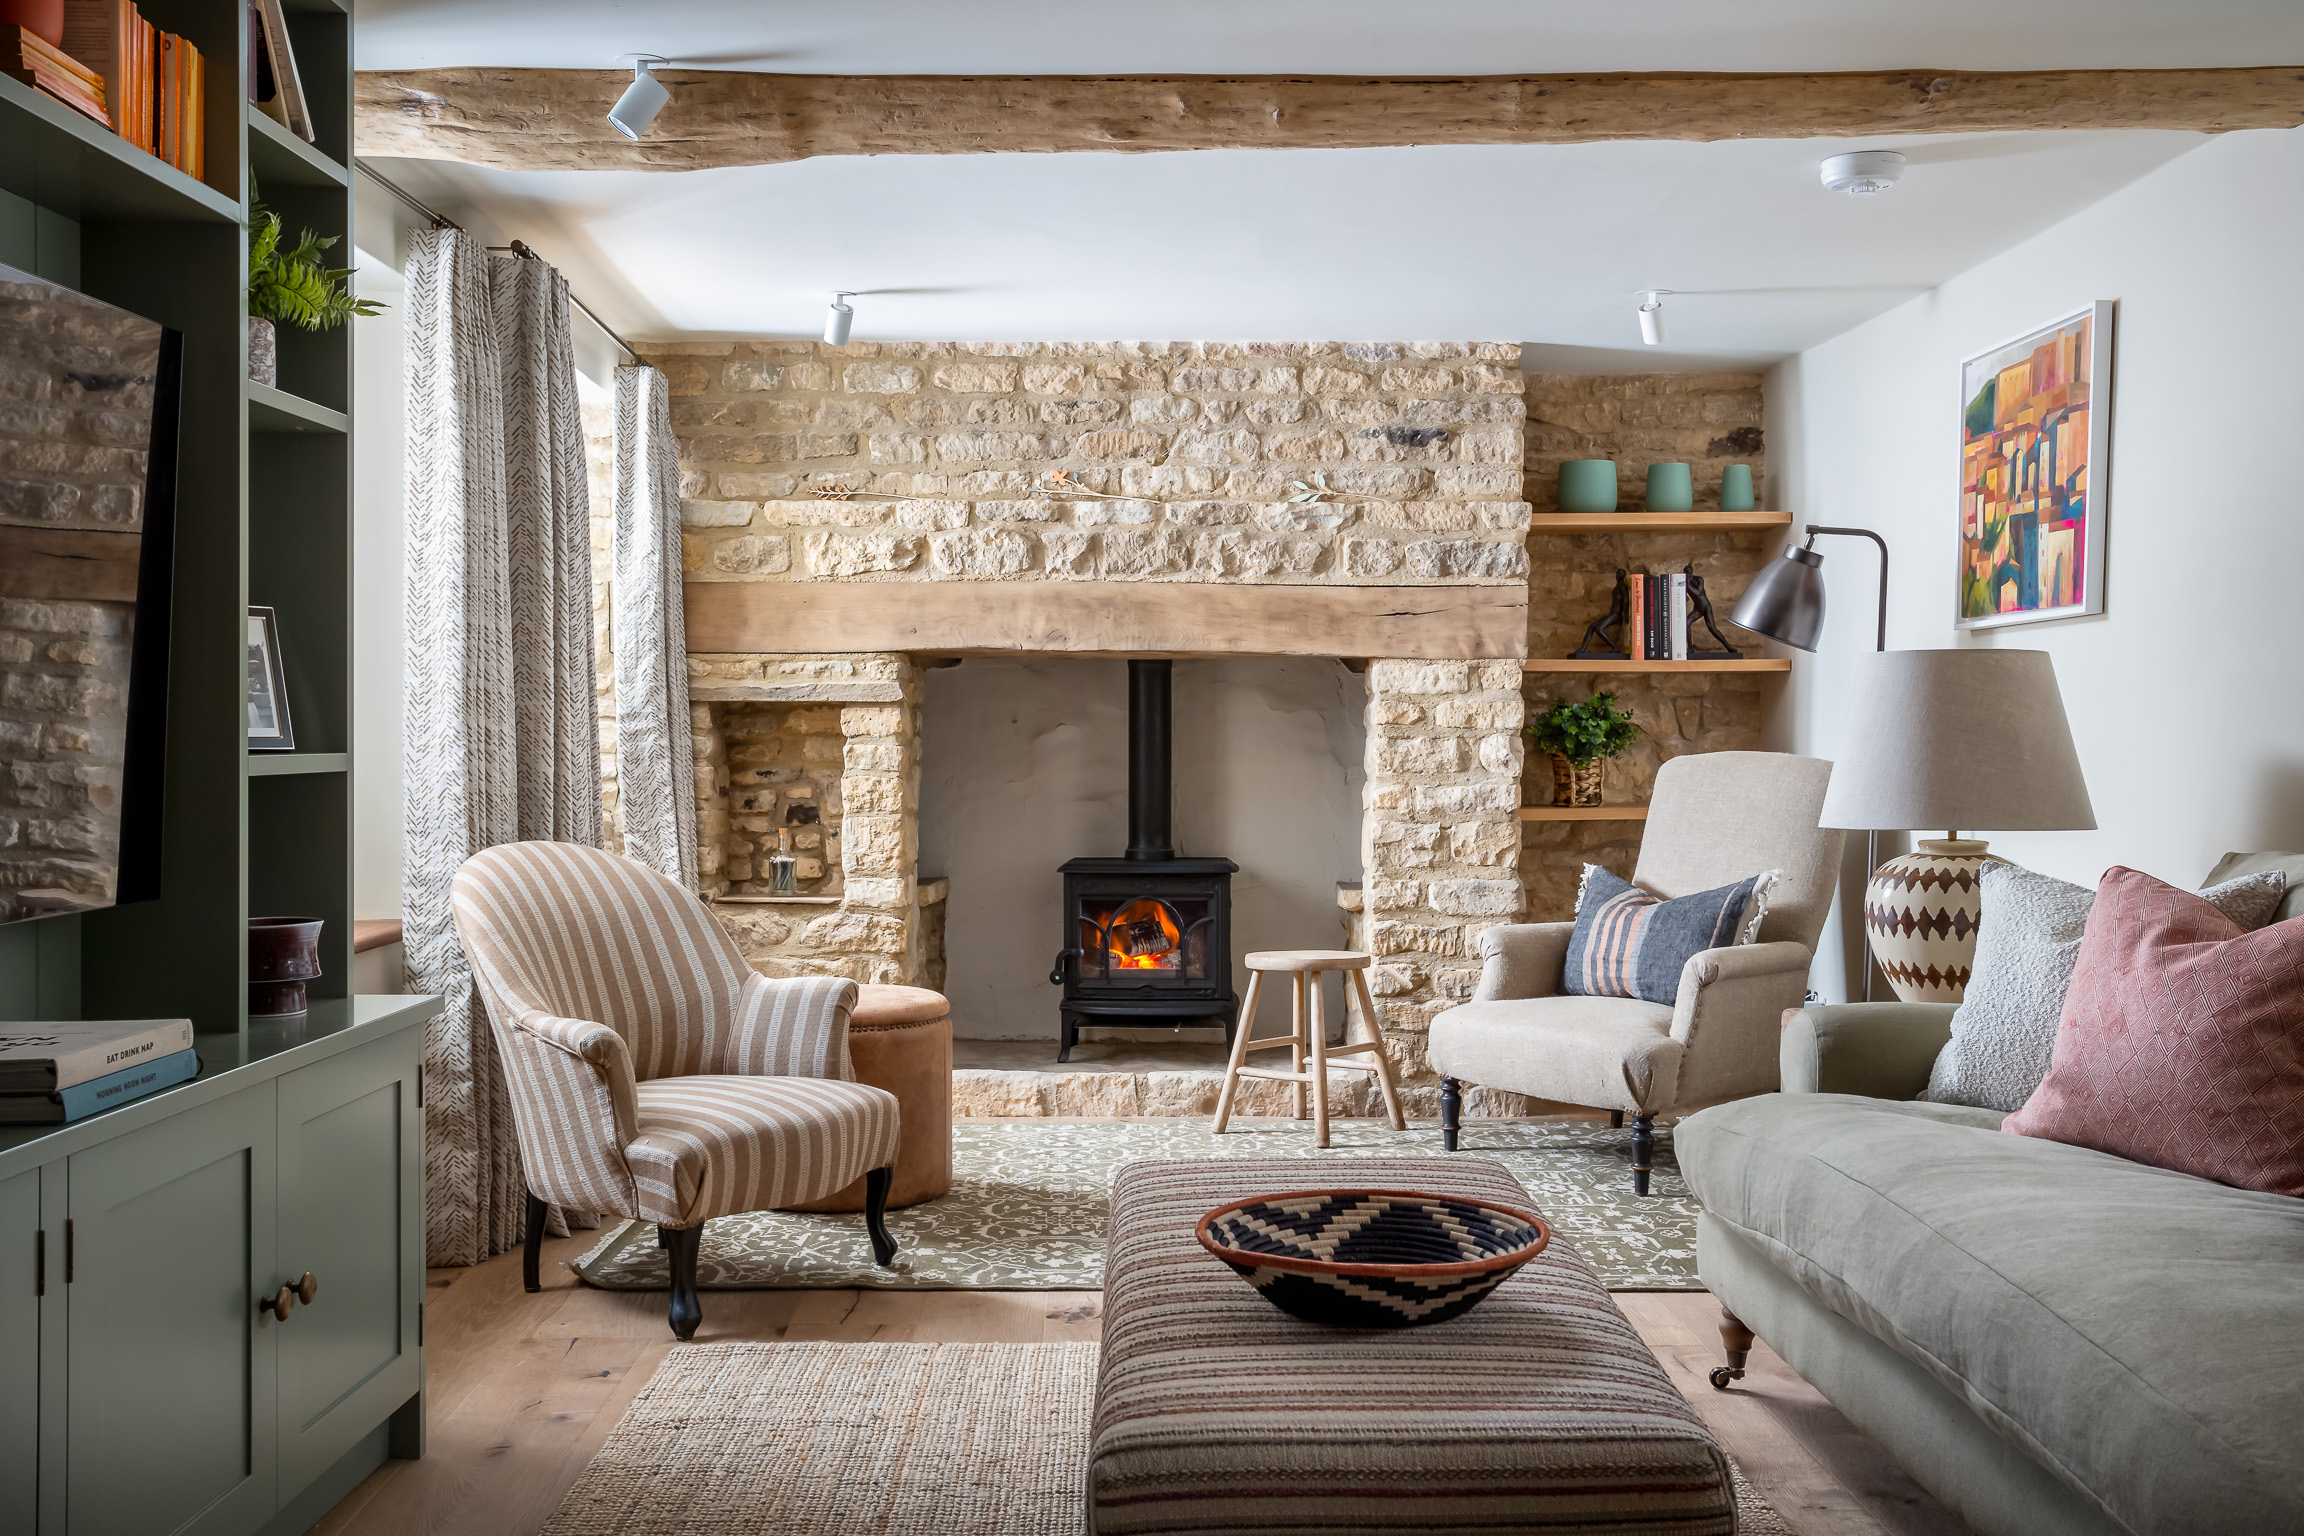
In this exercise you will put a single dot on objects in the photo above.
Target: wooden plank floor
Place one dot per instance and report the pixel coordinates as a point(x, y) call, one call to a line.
point(523, 1389)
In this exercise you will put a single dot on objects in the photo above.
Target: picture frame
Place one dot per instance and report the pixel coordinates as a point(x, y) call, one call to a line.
point(269, 728)
point(2035, 439)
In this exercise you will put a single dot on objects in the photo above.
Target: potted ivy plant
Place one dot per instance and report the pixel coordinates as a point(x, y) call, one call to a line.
point(1581, 737)
point(291, 283)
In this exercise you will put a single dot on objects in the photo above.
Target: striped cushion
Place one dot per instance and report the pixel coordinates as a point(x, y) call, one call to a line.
point(1539, 1410)
point(713, 1146)
point(1628, 943)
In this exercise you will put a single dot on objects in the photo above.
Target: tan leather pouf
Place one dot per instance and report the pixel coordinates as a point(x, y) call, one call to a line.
point(900, 1039)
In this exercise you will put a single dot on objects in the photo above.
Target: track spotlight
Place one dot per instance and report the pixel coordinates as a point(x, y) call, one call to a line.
point(1652, 316)
point(838, 318)
point(1866, 173)
point(642, 99)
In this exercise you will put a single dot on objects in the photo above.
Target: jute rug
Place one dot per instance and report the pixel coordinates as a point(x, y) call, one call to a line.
point(865, 1440)
point(1028, 1201)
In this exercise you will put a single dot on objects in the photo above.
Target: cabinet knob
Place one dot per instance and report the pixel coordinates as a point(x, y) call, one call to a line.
point(278, 1305)
point(307, 1288)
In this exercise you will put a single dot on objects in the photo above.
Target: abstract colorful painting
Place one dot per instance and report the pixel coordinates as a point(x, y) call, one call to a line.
point(2034, 437)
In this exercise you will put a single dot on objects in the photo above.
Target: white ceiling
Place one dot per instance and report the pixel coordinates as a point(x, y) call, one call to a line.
point(1545, 244)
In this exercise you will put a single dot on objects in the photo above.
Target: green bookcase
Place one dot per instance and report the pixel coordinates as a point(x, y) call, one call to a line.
point(264, 516)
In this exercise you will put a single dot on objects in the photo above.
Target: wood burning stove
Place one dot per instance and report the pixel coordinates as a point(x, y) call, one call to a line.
point(1147, 936)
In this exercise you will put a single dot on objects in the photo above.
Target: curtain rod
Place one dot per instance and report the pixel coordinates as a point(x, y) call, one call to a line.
point(517, 247)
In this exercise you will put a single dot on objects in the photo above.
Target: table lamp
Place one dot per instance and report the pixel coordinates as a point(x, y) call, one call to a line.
point(1954, 739)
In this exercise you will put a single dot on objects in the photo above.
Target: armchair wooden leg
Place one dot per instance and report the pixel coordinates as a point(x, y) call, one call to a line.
point(1643, 1151)
point(532, 1248)
point(1615, 1119)
point(1736, 1344)
point(876, 1186)
point(683, 1243)
point(1451, 1112)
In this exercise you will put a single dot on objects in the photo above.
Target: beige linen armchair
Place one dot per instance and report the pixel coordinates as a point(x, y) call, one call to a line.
point(1715, 818)
point(654, 1074)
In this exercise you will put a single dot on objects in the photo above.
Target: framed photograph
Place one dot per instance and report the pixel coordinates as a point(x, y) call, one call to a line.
point(2035, 442)
point(268, 727)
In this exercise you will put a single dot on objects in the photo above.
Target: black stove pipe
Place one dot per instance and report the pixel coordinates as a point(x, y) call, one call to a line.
point(1149, 835)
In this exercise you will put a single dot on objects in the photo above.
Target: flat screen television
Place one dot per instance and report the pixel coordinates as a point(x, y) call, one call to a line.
point(88, 417)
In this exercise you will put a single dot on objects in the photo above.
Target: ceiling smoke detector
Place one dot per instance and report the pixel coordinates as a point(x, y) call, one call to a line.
point(1866, 173)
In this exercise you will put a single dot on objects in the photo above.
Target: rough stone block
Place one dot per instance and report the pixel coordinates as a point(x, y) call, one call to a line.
point(1373, 557)
point(976, 378)
point(860, 554)
point(1117, 443)
point(1235, 447)
point(996, 447)
point(753, 554)
point(1395, 676)
point(1384, 892)
point(717, 514)
point(898, 448)
point(1055, 379)
point(1474, 898)
point(1467, 559)
point(1132, 554)
point(1458, 802)
point(981, 552)
point(750, 373)
point(1395, 938)
point(1163, 411)
point(1067, 553)
point(1484, 843)
point(1417, 757)
point(880, 379)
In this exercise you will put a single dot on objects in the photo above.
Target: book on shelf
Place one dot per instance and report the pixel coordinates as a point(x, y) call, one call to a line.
point(114, 1088)
point(286, 105)
point(41, 1057)
point(152, 83)
point(51, 69)
point(1658, 623)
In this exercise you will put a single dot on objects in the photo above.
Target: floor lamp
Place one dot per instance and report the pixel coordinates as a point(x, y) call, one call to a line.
point(1786, 602)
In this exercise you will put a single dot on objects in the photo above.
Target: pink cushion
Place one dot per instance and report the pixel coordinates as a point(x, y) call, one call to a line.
point(2182, 1042)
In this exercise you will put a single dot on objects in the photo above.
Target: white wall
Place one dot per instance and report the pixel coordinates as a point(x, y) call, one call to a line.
point(2182, 694)
point(1026, 766)
point(379, 424)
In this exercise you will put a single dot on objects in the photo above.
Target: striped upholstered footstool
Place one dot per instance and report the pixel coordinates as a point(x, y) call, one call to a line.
point(1538, 1411)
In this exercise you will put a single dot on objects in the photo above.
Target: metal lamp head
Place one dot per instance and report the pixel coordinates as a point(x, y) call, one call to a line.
point(642, 99)
point(838, 319)
point(1786, 600)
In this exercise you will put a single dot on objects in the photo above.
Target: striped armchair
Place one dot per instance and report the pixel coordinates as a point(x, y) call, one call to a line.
point(654, 1074)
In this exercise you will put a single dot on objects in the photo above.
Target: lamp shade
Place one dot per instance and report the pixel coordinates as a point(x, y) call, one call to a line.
point(1786, 600)
point(1970, 739)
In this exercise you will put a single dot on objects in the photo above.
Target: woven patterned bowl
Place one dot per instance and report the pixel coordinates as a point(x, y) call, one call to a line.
point(1372, 1258)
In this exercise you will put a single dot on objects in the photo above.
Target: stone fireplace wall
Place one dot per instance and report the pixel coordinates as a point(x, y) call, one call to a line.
point(1407, 457)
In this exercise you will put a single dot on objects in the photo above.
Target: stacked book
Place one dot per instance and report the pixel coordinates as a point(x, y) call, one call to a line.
point(53, 1073)
point(1659, 617)
point(146, 85)
point(62, 76)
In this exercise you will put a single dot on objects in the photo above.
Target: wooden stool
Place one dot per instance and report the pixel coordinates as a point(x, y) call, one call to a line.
point(1308, 1031)
point(900, 1039)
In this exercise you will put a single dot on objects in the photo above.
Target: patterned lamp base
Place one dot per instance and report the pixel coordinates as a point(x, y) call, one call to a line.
point(1921, 912)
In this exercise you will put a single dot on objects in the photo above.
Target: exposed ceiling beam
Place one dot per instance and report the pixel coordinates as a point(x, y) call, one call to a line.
point(556, 119)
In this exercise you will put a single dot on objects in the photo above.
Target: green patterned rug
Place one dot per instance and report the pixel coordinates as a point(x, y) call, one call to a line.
point(1027, 1207)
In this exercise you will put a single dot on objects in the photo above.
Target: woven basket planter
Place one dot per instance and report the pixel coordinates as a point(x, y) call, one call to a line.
point(1576, 783)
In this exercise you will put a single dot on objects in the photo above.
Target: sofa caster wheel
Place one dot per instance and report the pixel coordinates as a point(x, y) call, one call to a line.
point(1722, 1375)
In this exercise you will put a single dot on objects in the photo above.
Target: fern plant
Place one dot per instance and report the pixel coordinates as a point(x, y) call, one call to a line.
point(1595, 728)
point(293, 285)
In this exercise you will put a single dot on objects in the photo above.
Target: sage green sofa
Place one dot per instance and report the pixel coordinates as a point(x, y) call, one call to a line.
point(2050, 1339)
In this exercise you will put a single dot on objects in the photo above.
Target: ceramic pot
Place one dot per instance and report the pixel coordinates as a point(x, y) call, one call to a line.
point(1671, 488)
point(1588, 485)
point(283, 954)
point(1736, 488)
point(1576, 783)
point(263, 351)
point(1921, 913)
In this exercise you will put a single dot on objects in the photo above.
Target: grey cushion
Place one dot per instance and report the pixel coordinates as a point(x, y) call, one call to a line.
point(1606, 1052)
point(2233, 865)
point(2004, 1034)
point(2140, 1332)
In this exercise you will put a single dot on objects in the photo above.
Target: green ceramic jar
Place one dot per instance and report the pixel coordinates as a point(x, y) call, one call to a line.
point(1588, 485)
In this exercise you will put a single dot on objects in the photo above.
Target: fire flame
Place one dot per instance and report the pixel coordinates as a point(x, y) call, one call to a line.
point(1141, 937)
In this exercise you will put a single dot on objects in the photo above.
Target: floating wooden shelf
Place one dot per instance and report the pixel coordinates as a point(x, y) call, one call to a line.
point(1711, 664)
point(1655, 522)
point(276, 410)
point(281, 159)
point(1583, 813)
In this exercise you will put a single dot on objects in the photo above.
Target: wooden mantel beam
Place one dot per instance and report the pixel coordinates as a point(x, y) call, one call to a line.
point(556, 119)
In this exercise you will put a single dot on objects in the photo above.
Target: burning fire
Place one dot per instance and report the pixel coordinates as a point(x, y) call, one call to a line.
point(1141, 937)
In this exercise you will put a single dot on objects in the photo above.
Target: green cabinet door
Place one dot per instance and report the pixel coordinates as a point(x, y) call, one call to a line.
point(20, 1288)
point(350, 1193)
point(170, 1375)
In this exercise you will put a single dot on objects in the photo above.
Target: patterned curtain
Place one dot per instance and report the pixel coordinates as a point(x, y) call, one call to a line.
point(500, 742)
point(656, 764)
